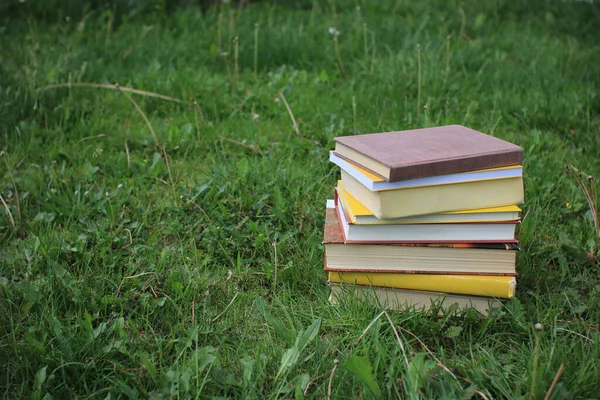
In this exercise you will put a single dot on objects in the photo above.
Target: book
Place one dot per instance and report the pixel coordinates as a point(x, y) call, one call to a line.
point(399, 299)
point(418, 153)
point(359, 214)
point(443, 258)
point(476, 285)
point(423, 200)
point(376, 183)
point(472, 232)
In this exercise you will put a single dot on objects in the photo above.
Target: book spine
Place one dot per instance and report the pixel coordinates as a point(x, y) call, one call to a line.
point(347, 159)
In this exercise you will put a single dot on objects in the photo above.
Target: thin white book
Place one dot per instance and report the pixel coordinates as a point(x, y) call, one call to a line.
point(375, 183)
point(472, 232)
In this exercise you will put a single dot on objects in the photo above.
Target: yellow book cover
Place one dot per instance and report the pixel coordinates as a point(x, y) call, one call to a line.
point(474, 285)
point(359, 214)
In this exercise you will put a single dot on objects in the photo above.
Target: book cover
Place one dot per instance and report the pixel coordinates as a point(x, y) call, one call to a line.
point(419, 153)
point(473, 285)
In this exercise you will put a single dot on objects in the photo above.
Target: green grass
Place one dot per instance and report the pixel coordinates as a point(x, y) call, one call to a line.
point(127, 276)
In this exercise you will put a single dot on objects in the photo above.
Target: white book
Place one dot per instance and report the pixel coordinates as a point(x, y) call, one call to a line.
point(472, 232)
point(374, 183)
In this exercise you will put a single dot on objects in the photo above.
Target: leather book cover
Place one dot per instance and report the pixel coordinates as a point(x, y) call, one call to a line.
point(333, 232)
point(434, 151)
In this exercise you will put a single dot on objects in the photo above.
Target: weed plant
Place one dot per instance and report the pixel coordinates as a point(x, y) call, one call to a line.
point(170, 247)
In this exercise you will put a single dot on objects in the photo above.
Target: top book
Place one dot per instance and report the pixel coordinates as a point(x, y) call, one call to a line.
point(419, 153)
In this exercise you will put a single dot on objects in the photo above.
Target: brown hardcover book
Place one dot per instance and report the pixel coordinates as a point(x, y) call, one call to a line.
point(439, 258)
point(418, 153)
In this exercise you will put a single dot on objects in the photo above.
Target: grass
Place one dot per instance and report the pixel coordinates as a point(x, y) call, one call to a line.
point(185, 260)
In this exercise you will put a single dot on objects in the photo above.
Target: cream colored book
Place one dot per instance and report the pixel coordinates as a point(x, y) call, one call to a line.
point(360, 215)
point(398, 299)
point(422, 200)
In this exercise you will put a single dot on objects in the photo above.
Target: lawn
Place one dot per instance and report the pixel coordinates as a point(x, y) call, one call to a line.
point(170, 246)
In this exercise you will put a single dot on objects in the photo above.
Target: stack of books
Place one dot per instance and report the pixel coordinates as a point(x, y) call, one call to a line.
point(425, 216)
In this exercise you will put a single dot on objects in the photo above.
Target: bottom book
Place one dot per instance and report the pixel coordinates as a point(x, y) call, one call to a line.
point(392, 298)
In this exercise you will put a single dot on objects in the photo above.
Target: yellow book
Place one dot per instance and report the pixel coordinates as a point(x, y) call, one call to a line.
point(423, 200)
point(473, 285)
point(359, 214)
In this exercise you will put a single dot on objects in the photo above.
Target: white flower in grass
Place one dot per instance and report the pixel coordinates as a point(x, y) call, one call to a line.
point(334, 32)
point(255, 117)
